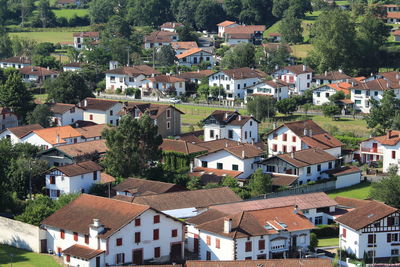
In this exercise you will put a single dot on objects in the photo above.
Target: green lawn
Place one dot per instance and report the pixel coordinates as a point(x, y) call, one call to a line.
point(23, 258)
point(301, 50)
point(328, 242)
point(50, 36)
point(359, 191)
point(69, 13)
point(273, 29)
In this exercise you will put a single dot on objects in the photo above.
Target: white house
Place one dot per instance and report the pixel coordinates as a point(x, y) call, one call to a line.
point(37, 74)
point(97, 232)
point(235, 81)
point(160, 38)
point(322, 93)
point(195, 77)
point(165, 84)
point(137, 186)
point(298, 135)
point(81, 39)
point(195, 56)
point(258, 234)
point(393, 17)
point(274, 88)
point(15, 62)
point(244, 34)
point(101, 111)
point(72, 178)
point(8, 118)
point(329, 77)
point(181, 47)
point(15, 134)
point(372, 229)
point(170, 26)
point(73, 66)
point(224, 25)
point(65, 114)
point(223, 124)
point(128, 77)
point(299, 77)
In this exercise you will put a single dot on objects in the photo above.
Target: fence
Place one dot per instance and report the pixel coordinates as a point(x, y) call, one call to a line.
point(322, 187)
point(22, 235)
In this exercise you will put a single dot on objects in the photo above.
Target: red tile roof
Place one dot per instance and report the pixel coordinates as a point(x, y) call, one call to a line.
point(84, 148)
point(172, 25)
point(393, 15)
point(80, 168)
point(192, 52)
point(106, 178)
point(390, 139)
point(57, 135)
point(140, 186)
point(181, 146)
point(160, 37)
point(299, 69)
point(92, 131)
point(343, 171)
point(245, 29)
point(183, 45)
point(82, 252)
point(21, 131)
point(60, 108)
point(280, 179)
point(37, 71)
point(97, 104)
point(305, 157)
point(18, 60)
point(377, 85)
point(351, 202)
point(209, 175)
point(341, 86)
point(165, 79)
point(195, 74)
point(225, 23)
point(134, 71)
point(332, 75)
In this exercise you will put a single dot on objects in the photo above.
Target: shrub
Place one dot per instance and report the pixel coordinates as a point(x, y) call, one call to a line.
point(118, 91)
point(313, 241)
point(323, 231)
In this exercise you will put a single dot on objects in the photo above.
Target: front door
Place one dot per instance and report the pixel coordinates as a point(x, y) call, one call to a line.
point(176, 252)
point(97, 261)
point(137, 256)
point(196, 245)
point(374, 147)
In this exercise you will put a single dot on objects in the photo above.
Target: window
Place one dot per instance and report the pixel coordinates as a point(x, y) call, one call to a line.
point(204, 164)
point(319, 167)
point(111, 121)
point(230, 134)
point(330, 165)
point(156, 219)
point(261, 244)
point(393, 154)
point(174, 233)
point(392, 237)
point(344, 232)
point(357, 92)
point(112, 79)
point(327, 95)
point(86, 239)
point(284, 149)
point(284, 137)
point(248, 246)
point(52, 180)
point(62, 234)
point(208, 255)
point(395, 252)
point(293, 149)
point(157, 252)
point(137, 222)
point(376, 93)
point(111, 113)
point(235, 167)
point(168, 125)
point(318, 94)
point(75, 236)
point(308, 76)
point(168, 113)
point(119, 242)
point(217, 243)
point(238, 86)
point(208, 240)
point(211, 133)
point(156, 234)
point(318, 220)
point(274, 147)
point(371, 239)
point(308, 170)
point(95, 175)
point(137, 237)
point(245, 134)
point(220, 166)
point(120, 258)
point(251, 123)
point(270, 168)
point(91, 117)
point(293, 138)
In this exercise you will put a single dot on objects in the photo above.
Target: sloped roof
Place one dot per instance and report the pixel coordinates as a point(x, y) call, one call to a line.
point(192, 137)
point(192, 52)
point(60, 108)
point(332, 75)
point(97, 104)
point(393, 15)
point(195, 74)
point(210, 175)
point(227, 117)
point(37, 71)
point(134, 71)
point(244, 73)
point(298, 69)
point(184, 45)
point(137, 185)
point(343, 170)
point(305, 157)
point(165, 79)
point(172, 25)
point(73, 64)
point(226, 23)
point(280, 179)
point(80, 168)
point(390, 139)
point(82, 252)
point(154, 110)
point(21, 131)
point(351, 202)
point(92, 131)
point(57, 135)
point(264, 263)
point(341, 86)
point(181, 146)
point(18, 60)
point(377, 85)
point(83, 148)
point(245, 29)
point(160, 37)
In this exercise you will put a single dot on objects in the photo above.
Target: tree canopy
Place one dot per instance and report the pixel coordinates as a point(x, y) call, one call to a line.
point(262, 107)
point(242, 55)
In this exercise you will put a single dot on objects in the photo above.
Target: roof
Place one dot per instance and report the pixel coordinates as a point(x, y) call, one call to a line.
point(97, 104)
point(140, 186)
point(195, 74)
point(275, 46)
point(226, 23)
point(87, 34)
point(280, 179)
point(275, 83)
point(165, 79)
point(343, 171)
point(245, 29)
point(184, 45)
point(106, 178)
point(310, 262)
point(188, 199)
point(253, 223)
point(57, 135)
point(305, 157)
point(154, 110)
point(210, 175)
point(5, 110)
point(393, 15)
point(172, 25)
point(227, 117)
point(73, 64)
point(83, 148)
point(192, 52)
point(60, 108)
point(303, 201)
point(18, 60)
point(366, 215)
point(134, 71)
point(298, 69)
point(192, 137)
point(216, 145)
point(391, 138)
point(37, 71)
point(181, 146)
point(244, 73)
point(351, 202)
point(396, 32)
point(377, 85)
point(82, 252)
point(341, 86)
point(80, 168)
point(21, 131)
point(92, 131)
point(160, 37)
point(78, 215)
point(332, 75)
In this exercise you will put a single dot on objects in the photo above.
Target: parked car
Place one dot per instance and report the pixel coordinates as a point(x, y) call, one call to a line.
point(174, 100)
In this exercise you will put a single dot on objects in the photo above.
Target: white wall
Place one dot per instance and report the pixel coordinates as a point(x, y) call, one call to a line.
point(321, 95)
point(7, 134)
point(301, 82)
point(197, 58)
point(5, 65)
point(348, 180)
point(101, 117)
point(225, 252)
point(123, 81)
point(265, 89)
point(69, 117)
point(179, 86)
point(239, 133)
point(278, 140)
point(388, 161)
point(233, 88)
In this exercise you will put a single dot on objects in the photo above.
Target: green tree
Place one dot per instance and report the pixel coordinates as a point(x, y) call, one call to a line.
point(256, 12)
point(186, 34)
point(204, 91)
point(208, 14)
point(183, 11)
point(262, 107)
point(242, 55)
point(45, 14)
point(65, 199)
point(101, 10)
point(330, 110)
point(313, 241)
point(41, 115)
point(337, 96)
point(194, 183)
point(27, 7)
point(73, 54)
point(149, 12)
point(5, 44)
point(37, 210)
point(44, 49)
point(229, 181)
point(68, 87)
point(233, 8)
point(287, 105)
point(132, 147)
point(46, 61)
point(260, 183)
point(270, 59)
point(387, 190)
point(97, 55)
point(117, 27)
point(166, 55)
point(291, 30)
point(14, 95)
point(292, 8)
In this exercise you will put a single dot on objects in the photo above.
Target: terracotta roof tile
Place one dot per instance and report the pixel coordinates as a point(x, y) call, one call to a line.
point(343, 170)
point(160, 37)
point(264, 263)
point(140, 186)
point(305, 157)
point(192, 137)
point(280, 179)
point(106, 178)
point(18, 60)
point(35, 70)
point(351, 202)
point(60, 108)
point(165, 79)
point(341, 86)
point(172, 25)
point(244, 73)
point(57, 135)
point(80, 168)
point(181, 146)
point(377, 85)
point(209, 175)
point(225, 117)
point(21, 131)
point(134, 71)
point(245, 29)
point(82, 252)
point(154, 110)
point(92, 131)
point(97, 104)
point(299, 69)
point(332, 75)
point(84, 148)
point(393, 15)
point(226, 23)
point(73, 64)
point(195, 74)
point(191, 52)
point(390, 139)
point(184, 45)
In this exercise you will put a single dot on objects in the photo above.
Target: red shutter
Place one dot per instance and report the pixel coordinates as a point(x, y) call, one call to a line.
point(344, 232)
point(393, 154)
point(274, 148)
point(261, 244)
point(119, 241)
point(156, 234)
point(62, 234)
point(248, 246)
point(75, 236)
point(294, 138)
point(68, 258)
point(86, 239)
point(284, 137)
point(174, 233)
point(217, 243)
point(137, 222)
point(293, 149)
point(137, 237)
point(284, 149)
point(91, 117)
point(157, 252)
point(156, 219)
point(208, 240)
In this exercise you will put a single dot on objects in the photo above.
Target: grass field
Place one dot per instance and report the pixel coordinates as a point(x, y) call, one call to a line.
point(301, 50)
point(23, 258)
point(359, 191)
point(69, 13)
point(328, 242)
point(50, 36)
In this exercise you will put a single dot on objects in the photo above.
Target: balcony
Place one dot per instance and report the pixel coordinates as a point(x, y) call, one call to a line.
point(371, 150)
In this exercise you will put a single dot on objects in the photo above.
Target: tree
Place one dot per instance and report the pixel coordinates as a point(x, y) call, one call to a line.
point(242, 55)
point(166, 55)
point(73, 54)
point(256, 12)
point(291, 30)
point(132, 147)
point(204, 91)
point(287, 105)
point(101, 10)
point(45, 14)
point(37, 210)
point(229, 181)
point(194, 183)
point(117, 27)
point(291, 8)
point(46, 61)
point(337, 96)
point(330, 110)
point(41, 115)
point(313, 241)
point(186, 34)
point(5, 44)
point(208, 14)
point(14, 95)
point(68, 87)
point(262, 107)
point(149, 12)
point(387, 190)
point(64, 199)
point(183, 11)
point(260, 183)
point(44, 49)
point(27, 7)
point(233, 8)
point(271, 59)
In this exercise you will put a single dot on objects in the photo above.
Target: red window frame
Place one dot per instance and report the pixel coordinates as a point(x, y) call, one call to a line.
point(208, 240)
point(157, 252)
point(86, 239)
point(284, 137)
point(393, 154)
point(52, 179)
point(293, 138)
point(67, 258)
point(174, 233)
point(62, 234)
point(118, 242)
point(248, 246)
point(91, 117)
point(344, 232)
point(137, 237)
point(75, 236)
point(156, 219)
point(217, 243)
point(156, 234)
point(261, 244)
point(284, 149)
point(293, 149)
point(274, 147)
point(137, 222)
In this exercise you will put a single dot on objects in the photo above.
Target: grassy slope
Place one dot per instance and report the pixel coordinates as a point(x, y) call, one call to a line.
point(69, 13)
point(50, 36)
point(359, 191)
point(23, 258)
point(328, 242)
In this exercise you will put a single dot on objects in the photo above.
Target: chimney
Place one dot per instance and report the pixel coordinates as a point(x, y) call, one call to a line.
point(240, 117)
point(296, 209)
point(227, 225)
point(326, 73)
point(198, 70)
point(305, 131)
point(389, 134)
point(96, 222)
point(340, 71)
point(292, 155)
point(85, 103)
point(58, 139)
point(226, 144)
point(310, 133)
point(274, 80)
point(242, 153)
point(304, 67)
point(226, 115)
point(48, 68)
point(95, 229)
point(397, 76)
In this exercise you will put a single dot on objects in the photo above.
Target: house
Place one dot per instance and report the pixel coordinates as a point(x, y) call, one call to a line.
point(392, 18)
point(128, 77)
point(141, 187)
point(241, 157)
point(250, 235)
point(65, 114)
point(234, 81)
point(298, 135)
point(371, 229)
point(223, 124)
point(15, 62)
point(345, 176)
point(92, 132)
point(160, 38)
point(170, 26)
point(82, 39)
point(212, 176)
point(73, 153)
point(330, 77)
point(73, 66)
point(277, 89)
point(101, 111)
point(322, 93)
point(166, 117)
point(195, 56)
point(307, 164)
point(195, 77)
point(299, 77)
point(165, 84)
point(391, 8)
point(51, 137)
point(244, 34)
point(186, 204)
point(224, 25)
point(182, 47)
point(275, 37)
point(37, 74)
point(97, 231)
point(72, 178)
point(304, 262)
point(8, 118)
point(396, 35)
point(15, 134)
